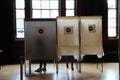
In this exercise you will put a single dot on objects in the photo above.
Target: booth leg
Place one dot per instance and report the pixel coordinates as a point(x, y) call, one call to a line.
point(21, 68)
point(57, 67)
point(101, 65)
point(79, 62)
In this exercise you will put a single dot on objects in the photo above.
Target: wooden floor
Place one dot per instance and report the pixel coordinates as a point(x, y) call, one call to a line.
point(89, 72)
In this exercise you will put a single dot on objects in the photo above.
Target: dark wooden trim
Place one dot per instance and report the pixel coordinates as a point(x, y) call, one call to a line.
point(62, 7)
point(28, 8)
point(40, 19)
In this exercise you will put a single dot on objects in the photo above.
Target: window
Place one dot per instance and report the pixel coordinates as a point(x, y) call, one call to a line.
point(40, 9)
point(20, 15)
point(112, 18)
point(44, 8)
point(70, 7)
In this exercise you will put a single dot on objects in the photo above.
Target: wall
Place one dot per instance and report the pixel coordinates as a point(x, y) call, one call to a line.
point(96, 8)
point(7, 30)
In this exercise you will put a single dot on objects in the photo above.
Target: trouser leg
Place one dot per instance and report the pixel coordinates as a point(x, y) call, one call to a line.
point(72, 62)
point(41, 62)
point(67, 61)
point(44, 64)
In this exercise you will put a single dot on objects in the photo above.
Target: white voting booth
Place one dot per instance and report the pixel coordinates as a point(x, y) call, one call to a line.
point(91, 36)
point(79, 36)
point(68, 36)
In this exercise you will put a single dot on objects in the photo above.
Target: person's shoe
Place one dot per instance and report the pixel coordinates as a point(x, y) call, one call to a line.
point(43, 69)
point(72, 68)
point(67, 66)
point(38, 70)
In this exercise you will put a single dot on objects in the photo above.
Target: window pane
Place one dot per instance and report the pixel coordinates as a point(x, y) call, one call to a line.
point(69, 12)
point(112, 32)
point(20, 33)
point(69, 4)
point(20, 23)
point(36, 4)
point(36, 14)
point(54, 4)
point(111, 3)
point(20, 14)
point(20, 3)
point(111, 13)
point(45, 4)
point(54, 13)
point(45, 14)
point(48, 9)
point(111, 22)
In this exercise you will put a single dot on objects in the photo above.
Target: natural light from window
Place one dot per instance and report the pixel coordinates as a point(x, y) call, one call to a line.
point(20, 15)
point(70, 7)
point(112, 9)
point(44, 8)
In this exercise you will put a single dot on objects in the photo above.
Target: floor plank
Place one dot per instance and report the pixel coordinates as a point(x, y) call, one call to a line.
point(88, 72)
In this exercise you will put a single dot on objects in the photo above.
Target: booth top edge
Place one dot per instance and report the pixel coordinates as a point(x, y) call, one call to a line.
point(78, 17)
point(40, 19)
point(93, 17)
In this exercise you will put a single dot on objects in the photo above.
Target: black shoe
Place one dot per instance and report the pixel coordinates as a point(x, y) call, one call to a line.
point(67, 66)
point(38, 70)
point(43, 69)
point(72, 68)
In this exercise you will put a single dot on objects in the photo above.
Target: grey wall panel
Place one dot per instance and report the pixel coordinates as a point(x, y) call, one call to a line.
point(40, 39)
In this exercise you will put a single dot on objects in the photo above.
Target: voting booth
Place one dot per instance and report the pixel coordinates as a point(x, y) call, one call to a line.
point(91, 35)
point(79, 36)
point(68, 35)
point(50, 39)
point(68, 43)
point(40, 40)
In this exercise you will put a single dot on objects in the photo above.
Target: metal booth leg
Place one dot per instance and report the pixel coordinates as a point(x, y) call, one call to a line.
point(21, 67)
point(79, 63)
point(57, 66)
point(101, 65)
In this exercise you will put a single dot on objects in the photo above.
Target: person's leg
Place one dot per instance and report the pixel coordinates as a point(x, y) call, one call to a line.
point(41, 62)
point(67, 59)
point(44, 68)
point(72, 62)
point(40, 67)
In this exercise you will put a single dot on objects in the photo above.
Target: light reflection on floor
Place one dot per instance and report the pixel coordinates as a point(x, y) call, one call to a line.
point(88, 72)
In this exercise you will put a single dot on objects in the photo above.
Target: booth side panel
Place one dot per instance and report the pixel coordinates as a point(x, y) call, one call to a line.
point(91, 35)
point(40, 39)
point(68, 35)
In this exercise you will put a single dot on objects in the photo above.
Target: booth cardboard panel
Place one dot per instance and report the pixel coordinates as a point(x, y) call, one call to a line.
point(40, 39)
point(91, 35)
point(68, 35)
